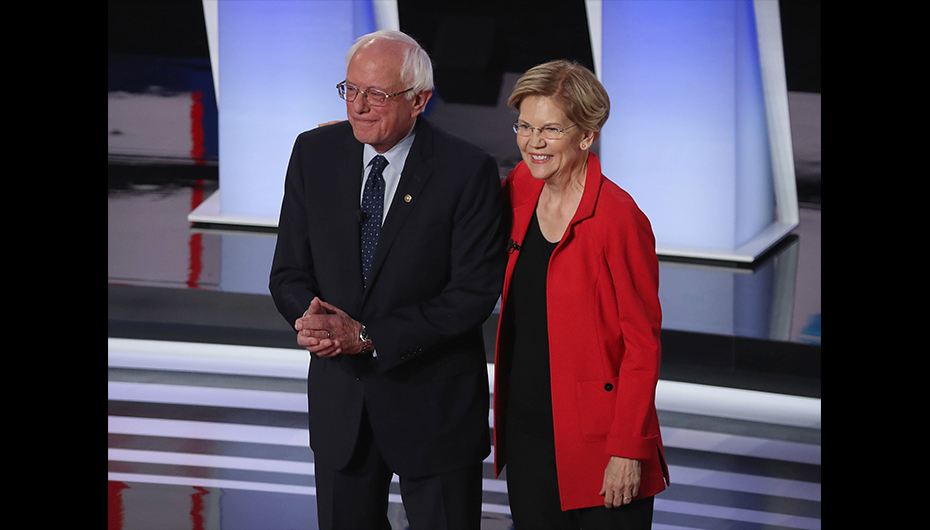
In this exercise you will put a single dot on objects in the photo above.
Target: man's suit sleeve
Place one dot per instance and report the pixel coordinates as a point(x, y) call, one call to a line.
point(476, 272)
point(293, 282)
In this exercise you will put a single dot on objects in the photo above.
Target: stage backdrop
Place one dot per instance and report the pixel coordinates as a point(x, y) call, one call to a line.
point(698, 132)
point(276, 64)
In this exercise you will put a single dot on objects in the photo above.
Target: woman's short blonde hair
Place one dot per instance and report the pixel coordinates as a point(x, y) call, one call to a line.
point(581, 96)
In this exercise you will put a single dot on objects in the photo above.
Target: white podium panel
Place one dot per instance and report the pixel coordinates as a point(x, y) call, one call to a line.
point(276, 64)
point(698, 132)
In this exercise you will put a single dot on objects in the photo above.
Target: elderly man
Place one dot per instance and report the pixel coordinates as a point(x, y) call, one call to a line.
point(389, 258)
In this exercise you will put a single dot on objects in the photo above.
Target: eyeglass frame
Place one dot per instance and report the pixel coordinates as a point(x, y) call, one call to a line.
point(519, 128)
point(343, 92)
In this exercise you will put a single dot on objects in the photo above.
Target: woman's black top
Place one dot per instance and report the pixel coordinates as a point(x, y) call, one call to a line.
point(530, 395)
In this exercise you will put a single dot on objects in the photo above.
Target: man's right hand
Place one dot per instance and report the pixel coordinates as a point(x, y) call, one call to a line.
point(327, 331)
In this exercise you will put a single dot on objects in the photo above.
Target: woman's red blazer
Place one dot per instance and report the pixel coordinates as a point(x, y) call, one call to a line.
point(604, 321)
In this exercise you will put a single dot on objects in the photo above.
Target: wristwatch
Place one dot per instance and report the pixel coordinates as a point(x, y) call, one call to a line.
point(367, 346)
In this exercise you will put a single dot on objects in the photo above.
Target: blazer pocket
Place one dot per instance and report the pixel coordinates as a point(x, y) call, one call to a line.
point(597, 401)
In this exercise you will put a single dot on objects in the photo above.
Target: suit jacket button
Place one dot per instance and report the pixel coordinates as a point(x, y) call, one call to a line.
point(608, 387)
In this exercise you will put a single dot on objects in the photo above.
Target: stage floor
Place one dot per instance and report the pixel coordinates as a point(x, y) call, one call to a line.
point(214, 436)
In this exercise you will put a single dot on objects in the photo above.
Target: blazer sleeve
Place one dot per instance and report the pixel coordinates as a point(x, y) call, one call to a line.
point(293, 282)
point(634, 268)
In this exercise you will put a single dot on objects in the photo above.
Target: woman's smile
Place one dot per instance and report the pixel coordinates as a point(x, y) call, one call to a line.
point(558, 159)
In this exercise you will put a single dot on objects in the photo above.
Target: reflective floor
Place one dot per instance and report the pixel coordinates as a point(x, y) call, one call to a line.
point(213, 436)
point(206, 407)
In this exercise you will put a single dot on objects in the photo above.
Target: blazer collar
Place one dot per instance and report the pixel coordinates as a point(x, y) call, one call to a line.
point(592, 188)
point(526, 190)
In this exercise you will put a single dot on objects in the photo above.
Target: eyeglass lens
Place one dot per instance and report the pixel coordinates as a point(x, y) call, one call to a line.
point(550, 133)
point(349, 93)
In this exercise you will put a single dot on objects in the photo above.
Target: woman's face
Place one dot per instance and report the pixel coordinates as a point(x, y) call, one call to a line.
point(551, 158)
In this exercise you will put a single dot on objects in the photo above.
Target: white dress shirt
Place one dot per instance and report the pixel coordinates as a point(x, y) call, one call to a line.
point(396, 157)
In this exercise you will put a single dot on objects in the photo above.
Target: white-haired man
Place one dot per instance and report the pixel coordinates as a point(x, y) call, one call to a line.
point(390, 256)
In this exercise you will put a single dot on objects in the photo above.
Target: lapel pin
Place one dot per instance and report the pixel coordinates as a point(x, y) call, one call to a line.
point(408, 198)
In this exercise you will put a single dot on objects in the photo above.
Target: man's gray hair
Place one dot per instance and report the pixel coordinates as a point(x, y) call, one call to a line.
point(417, 69)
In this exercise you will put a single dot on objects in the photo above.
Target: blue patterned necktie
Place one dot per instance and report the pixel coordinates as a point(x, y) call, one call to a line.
point(372, 206)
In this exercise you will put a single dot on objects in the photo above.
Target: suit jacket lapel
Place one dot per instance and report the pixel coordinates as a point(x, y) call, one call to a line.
point(524, 194)
point(417, 172)
point(525, 197)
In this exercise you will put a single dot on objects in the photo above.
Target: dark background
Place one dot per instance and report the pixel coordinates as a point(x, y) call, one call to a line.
point(472, 44)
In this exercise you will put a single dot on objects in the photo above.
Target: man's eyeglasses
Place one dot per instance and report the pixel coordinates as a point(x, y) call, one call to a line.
point(548, 132)
point(376, 98)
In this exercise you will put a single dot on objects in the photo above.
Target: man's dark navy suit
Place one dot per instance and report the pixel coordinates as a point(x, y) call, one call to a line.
point(436, 277)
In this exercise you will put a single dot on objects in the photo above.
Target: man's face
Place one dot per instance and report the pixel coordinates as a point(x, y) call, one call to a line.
point(377, 66)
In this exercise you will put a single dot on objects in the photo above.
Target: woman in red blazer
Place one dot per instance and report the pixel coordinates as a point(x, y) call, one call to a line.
point(578, 347)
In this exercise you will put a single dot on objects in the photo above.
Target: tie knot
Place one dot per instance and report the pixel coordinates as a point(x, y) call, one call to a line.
point(378, 164)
